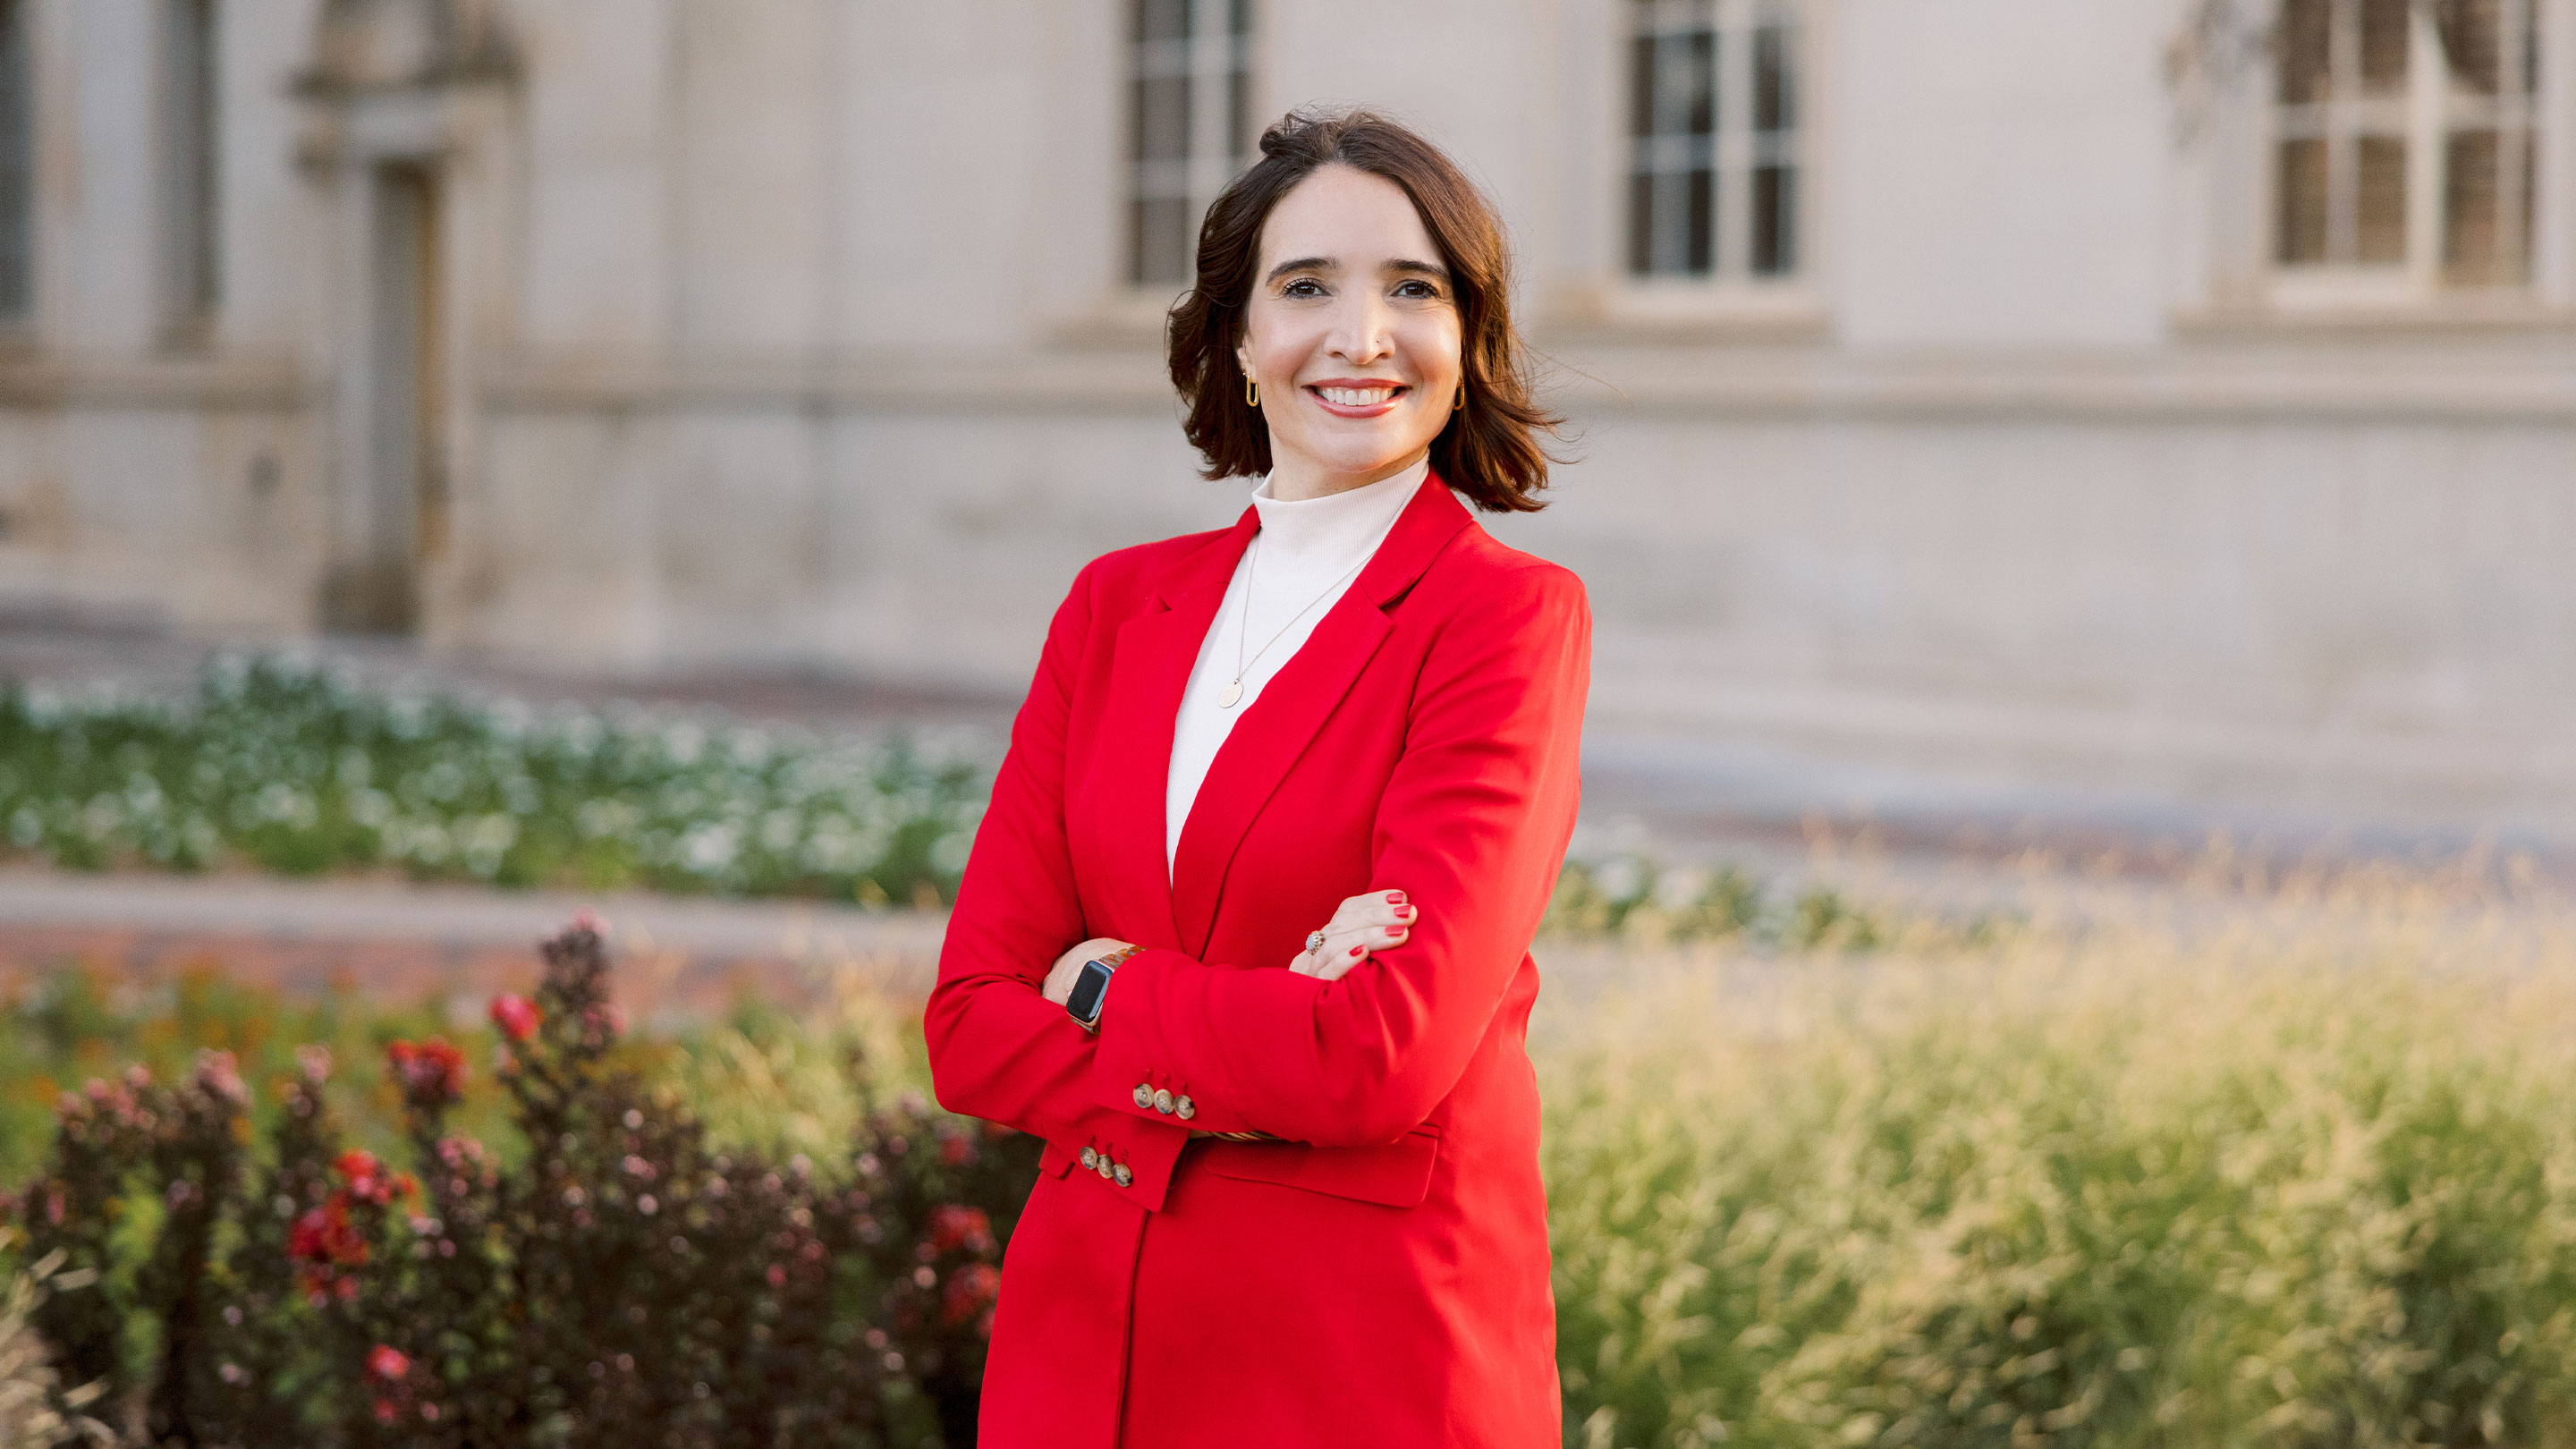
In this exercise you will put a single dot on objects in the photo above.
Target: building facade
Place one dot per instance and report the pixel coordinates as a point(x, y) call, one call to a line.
point(2171, 392)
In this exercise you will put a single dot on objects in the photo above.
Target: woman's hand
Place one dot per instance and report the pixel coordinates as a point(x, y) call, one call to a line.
point(1068, 967)
point(1366, 923)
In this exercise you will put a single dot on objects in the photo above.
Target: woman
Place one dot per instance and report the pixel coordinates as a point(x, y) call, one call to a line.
point(1292, 1206)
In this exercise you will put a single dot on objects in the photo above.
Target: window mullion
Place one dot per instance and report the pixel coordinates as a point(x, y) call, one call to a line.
point(2427, 148)
point(1733, 193)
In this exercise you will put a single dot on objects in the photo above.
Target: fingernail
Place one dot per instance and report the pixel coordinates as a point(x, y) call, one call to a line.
point(1395, 896)
point(1395, 930)
point(1355, 950)
point(1404, 910)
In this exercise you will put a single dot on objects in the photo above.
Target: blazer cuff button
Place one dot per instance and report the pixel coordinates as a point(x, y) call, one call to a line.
point(1144, 1096)
point(1184, 1108)
point(1090, 1157)
point(1105, 1167)
point(1123, 1175)
point(1163, 1102)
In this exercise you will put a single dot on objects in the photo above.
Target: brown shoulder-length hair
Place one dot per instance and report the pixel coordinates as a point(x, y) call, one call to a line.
point(1490, 450)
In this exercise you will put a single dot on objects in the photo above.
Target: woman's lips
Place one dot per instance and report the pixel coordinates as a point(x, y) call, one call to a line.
point(1356, 398)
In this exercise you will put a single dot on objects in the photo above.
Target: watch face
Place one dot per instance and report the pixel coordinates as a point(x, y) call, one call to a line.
point(1084, 1003)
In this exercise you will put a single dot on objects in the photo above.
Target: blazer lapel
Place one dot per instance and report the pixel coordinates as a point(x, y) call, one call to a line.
point(1155, 652)
point(1293, 706)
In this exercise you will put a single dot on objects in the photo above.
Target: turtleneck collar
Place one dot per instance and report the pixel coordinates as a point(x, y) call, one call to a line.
point(1337, 528)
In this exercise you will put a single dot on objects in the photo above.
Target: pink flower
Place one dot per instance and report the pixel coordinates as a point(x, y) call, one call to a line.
point(516, 1016)
point(387, 1363)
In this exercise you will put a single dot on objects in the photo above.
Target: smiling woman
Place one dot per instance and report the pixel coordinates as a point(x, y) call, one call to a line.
point(1245, 933)
point(1351, 222)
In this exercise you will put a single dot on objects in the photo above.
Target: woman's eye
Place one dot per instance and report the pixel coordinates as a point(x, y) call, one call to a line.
point(1302, 287)
point(1417, 289)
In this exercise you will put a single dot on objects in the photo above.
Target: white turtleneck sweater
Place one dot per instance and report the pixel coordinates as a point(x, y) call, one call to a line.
point(1305, 557)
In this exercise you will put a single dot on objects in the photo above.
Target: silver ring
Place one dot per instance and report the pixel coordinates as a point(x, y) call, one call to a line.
point(1314, 942)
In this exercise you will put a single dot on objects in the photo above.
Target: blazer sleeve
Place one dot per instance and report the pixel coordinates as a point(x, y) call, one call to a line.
point(1473, 827)
point(998, 1049)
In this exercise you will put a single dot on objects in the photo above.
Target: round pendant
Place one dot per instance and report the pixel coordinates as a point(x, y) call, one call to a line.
point(1226, 697)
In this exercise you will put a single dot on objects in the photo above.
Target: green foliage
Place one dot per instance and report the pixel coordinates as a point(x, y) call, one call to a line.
point(298, 771)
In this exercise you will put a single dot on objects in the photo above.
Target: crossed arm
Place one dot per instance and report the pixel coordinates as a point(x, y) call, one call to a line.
point(1474, 822)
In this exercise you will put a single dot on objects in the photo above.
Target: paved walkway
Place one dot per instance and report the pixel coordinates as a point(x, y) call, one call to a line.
point(676, 956)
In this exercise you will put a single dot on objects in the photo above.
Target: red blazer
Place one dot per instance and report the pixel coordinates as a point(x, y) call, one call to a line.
point(1381, 1277)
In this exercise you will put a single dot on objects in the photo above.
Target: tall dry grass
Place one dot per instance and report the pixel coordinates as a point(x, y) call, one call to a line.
point(2193, 1167)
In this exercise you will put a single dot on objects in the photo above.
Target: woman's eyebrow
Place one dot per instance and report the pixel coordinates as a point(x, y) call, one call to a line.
point(1302, 264)
point(1428, 269)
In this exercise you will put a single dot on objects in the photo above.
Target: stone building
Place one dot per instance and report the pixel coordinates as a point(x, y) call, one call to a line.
point(2177, 392)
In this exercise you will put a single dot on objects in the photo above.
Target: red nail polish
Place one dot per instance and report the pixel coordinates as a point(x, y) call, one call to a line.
point(1355, 950)
point(1395, 897)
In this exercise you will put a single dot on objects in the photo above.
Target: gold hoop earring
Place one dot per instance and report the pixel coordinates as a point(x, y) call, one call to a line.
point(1462, 398)
point(1251, 392)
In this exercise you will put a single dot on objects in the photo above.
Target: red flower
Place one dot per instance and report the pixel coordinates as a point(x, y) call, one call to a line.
point(970, 1291)
point(325, 1236)
point(516, 1016)
point(953, 1227)
point(387, 1363)
point(366, 1177)
point(431, 1072)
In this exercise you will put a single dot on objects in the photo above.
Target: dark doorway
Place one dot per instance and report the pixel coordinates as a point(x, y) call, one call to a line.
point(398, 522)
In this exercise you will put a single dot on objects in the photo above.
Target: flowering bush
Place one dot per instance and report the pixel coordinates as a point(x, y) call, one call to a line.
point(612, 1276)
point(297, 770)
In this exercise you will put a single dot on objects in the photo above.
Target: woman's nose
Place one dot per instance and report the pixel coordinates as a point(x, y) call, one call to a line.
point(1360, 331)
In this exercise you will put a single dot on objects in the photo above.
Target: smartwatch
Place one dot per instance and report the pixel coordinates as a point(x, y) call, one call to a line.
point(1092, 987)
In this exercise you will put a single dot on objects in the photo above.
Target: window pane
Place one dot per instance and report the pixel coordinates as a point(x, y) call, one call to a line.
point(1641, 223)
point(188, 176)
point(2469, 210)
point(2472, 33)
point(1775, 211)
point(2304, 54)
point(1774, 100)
point(1700, 210)
point(2380, 236)
point(1163, 118)
point(2486, 209)
point(1161, 239)
point(17, 165)
point(2302, 183)
point(1641, 86)
point(1162, 20)
point(2384, 26)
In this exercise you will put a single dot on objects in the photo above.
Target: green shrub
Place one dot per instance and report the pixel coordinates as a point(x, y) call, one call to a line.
point(618, 1276)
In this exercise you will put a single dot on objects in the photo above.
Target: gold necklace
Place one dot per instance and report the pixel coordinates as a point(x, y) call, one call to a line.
point(1232, 694)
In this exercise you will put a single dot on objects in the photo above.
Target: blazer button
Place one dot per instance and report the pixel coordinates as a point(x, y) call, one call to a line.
point(1163, 1102)
point(1090, 1157)
point(1123, 1175)
point(1107, 1168)
point(1144, 1096)
point(1184, 1108)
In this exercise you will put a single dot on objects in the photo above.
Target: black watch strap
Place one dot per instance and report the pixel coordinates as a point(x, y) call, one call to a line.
point(1091, 988)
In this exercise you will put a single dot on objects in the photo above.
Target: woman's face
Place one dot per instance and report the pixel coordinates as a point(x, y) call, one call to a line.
point(1352, 334)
